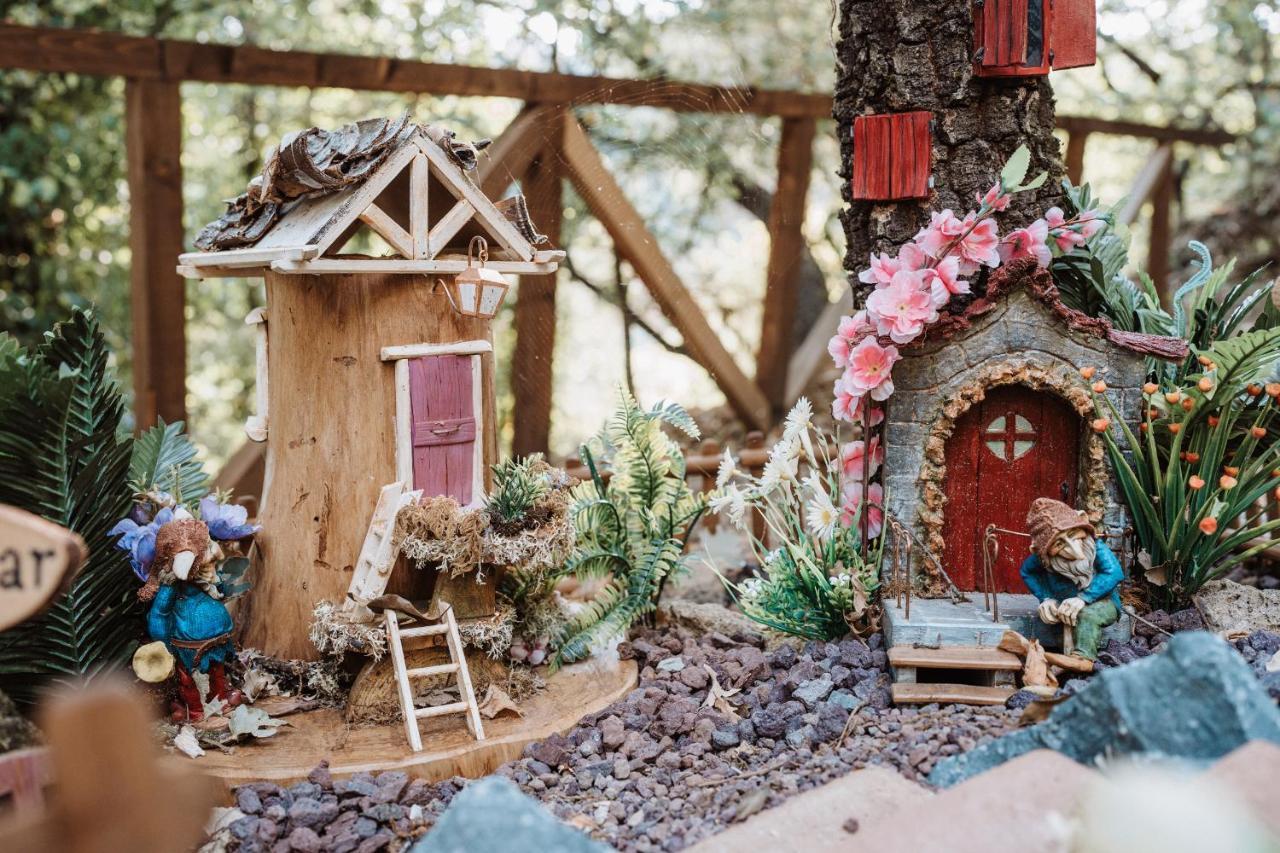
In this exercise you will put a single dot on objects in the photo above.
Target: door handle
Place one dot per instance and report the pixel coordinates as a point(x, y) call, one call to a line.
point(1065, 491)
point(456, 427)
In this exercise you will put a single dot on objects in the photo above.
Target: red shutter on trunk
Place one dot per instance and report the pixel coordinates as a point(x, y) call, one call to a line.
point(891, 156)
point(1002, 32)
point(1075, 33)
point(444, 425)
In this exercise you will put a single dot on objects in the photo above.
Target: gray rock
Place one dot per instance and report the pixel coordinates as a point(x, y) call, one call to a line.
point(247, 801)
point(844, 699)
point(1229, 606)
point(1197, 701)
point(814, 691)
point(725, 738)
point(675, 664)
point(492, 816)
point(304, 840)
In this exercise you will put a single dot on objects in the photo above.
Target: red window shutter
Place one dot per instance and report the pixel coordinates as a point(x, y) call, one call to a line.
point(1074, 33)
point(891, 156)
point(1001, 32)
point(444, 425)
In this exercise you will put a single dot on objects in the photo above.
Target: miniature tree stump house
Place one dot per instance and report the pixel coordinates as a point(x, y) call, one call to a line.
point(989, 410)
point(371, 370)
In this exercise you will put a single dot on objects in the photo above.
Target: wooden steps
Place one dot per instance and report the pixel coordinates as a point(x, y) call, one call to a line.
point(992, 670)
point(457, 665)
point(964, 694)
point(960, 657)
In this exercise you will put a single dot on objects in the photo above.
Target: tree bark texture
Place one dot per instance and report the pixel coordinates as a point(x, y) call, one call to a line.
point(902, 55)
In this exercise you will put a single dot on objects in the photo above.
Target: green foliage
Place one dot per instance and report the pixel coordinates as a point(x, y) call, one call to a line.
point(633, 528)
point(517, 486)
point(1091, 278)
point(61, 456)
point(164, 459)
point(1231, 424)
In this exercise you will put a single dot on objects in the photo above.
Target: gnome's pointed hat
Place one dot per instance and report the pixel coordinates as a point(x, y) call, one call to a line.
point(1047, 518)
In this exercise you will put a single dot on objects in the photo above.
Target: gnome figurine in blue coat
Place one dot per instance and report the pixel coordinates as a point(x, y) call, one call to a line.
point(187, 616)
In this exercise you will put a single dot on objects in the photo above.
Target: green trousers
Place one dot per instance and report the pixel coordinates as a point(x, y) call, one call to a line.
point(1089, 625)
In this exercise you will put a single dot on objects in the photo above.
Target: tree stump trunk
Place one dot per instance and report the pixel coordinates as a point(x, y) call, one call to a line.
point(903, 55)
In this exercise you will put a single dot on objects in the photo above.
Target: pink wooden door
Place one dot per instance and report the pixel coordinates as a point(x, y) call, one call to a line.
point(1015, 446)
point(443, 425)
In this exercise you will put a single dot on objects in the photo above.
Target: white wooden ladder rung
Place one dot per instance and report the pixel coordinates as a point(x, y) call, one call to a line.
point(425, 671)
point(425, 631)
point(457, 665)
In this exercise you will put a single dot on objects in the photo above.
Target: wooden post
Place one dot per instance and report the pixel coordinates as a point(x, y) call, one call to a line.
point(786, 243)
point(1076, 141)
point(153, 116)
point(535, 321)
point(1161, 228)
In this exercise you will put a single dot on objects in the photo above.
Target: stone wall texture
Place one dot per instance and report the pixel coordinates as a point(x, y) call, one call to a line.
point(1020, 342)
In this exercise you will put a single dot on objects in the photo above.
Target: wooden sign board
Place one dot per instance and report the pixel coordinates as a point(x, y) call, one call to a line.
point(37, 558)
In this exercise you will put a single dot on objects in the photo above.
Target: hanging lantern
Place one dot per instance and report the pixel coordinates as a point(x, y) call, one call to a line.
point(477, 291)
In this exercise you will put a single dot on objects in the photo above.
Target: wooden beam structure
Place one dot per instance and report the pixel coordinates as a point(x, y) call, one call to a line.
point(153, 139)
point(532, 366)
point(93, 52)
point(634, 242)
point(786, 246)
point(536, 128)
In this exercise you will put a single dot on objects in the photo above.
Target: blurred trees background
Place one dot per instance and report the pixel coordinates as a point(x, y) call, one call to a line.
point(702, 182)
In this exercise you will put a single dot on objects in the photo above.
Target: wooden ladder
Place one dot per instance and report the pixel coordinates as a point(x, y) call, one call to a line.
point(457, 665)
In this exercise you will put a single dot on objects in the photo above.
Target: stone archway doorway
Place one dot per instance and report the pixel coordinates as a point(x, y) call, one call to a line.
point(1016, 445)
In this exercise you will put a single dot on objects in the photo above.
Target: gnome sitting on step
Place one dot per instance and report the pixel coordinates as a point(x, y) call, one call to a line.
point(185, 616)
point(1073, 573)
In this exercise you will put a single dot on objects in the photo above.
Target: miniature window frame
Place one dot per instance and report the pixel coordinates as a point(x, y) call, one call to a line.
point(401, 355)
point(892, 156)
point(1005, 42)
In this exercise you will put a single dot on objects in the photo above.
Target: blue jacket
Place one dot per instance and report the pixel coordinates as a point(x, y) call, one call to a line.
point(1046, 583)
point(183, 611)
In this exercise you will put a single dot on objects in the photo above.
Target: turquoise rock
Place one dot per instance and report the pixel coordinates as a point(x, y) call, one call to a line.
point(1195, 701)
point(493, 816)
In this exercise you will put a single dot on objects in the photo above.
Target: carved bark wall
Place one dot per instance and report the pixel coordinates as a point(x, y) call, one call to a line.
point(900, 55)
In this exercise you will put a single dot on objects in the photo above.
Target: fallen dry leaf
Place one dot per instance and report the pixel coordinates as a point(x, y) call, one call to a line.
point(186, 743)
point(718, 697)
point(751, 802)
point(496, 701)
point(1039, 710)
point(1035, 672)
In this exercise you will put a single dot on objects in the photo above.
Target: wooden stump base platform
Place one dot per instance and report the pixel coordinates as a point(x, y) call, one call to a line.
point(448, 749)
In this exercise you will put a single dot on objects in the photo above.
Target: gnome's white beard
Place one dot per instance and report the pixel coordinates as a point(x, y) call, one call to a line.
point(1080, 571)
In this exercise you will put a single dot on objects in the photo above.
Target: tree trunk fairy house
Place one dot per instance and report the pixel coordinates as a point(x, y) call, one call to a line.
point(371, 370)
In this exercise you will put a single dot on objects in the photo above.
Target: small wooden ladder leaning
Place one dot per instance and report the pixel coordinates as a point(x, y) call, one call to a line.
point(457, 665)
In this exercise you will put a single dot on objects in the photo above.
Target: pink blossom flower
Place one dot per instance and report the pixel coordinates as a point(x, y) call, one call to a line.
point(1028, 242)
point(881, 270)
point(877, 413)
point(998, 201)
point(1090, 227)
point(943, 228)
point(1055, 217)
point(874, 513)
point(854, 456)
point(902, 309)
point(849, 332)
point(1067, 239)
point(847, 406)
point(911, 257)
point(944, 280)
point(870, 369)
point(981, 245)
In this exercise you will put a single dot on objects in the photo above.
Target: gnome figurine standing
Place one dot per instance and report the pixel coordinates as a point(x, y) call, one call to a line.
point(1073, 573)
point(185, 614)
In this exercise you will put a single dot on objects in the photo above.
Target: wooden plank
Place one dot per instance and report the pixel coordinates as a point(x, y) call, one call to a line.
point(418, 350)
point(1076, 143)
point(786, 248)
point(1145, 184)
point(486, 214)
point(635, 243)
point(1210, 137)
point(532, 365)
point(253, 256)
point(961, 694)
point(403, 689)
point(369, 580)
point(507, 160)
point(404, 423)
point(464, 676)
point(58, 49)
point(447, 226)
point(811, 356)
point(153, 141)
point(1074, 32)
point(955, 657)
point(39, 558)
point(257, 425)
point(388, 229)
point(436, 266)
point(420, 208)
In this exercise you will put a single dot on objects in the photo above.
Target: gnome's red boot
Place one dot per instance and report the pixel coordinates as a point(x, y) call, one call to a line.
point(220, 689)
point(191, 708)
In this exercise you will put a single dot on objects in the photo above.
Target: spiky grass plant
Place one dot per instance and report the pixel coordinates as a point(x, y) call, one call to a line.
point(632, 529)
point(517, 485)
point(815, 581)
point(1206, 447)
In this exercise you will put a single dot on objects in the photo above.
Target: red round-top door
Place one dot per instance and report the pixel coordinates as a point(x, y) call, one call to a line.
point(1017, 445)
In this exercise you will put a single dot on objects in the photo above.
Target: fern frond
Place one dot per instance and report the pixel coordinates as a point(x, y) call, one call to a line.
point(165, 459)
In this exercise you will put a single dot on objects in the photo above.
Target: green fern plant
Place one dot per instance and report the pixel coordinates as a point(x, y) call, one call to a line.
point(164, 460)
point(632, 528)
point(62, 457)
